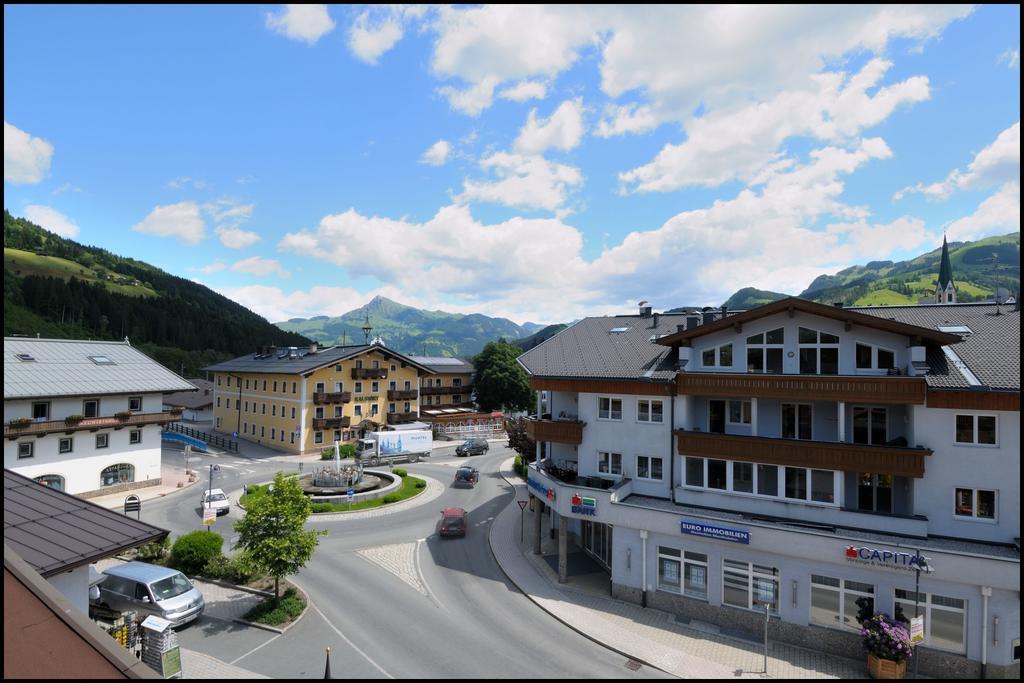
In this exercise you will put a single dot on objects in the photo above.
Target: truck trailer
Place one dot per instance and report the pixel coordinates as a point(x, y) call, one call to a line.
point(397, 446)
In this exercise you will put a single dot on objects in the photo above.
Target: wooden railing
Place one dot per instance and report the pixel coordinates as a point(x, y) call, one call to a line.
point(14, 429)
point(826, 455)
point(331, 422)
point(555, 431)
point(899, 390)
point(401, 394)
point(369, 373)
point(401, 418)
point(434, 391)
point(321, 397)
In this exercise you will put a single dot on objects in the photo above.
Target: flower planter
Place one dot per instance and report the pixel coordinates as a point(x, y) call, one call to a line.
point(886, 668)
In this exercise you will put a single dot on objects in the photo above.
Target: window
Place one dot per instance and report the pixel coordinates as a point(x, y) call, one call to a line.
point(391, 407)
point(339, 387)
point(273, 410)
point(25, 449)
point(695, 472)
point(263, 408)
point(976, 429)
point(376, 365)
point(874, 492)
point(796, 483)
point(974, 504)
point(359, 387)
point(374, 387)
point(649, 411)
point(739, 412)
point(683, 572)
point(318, 437)
point(357, 410)
point(764, 351)
point(796, 421)
point(874, 358)
point(870, 425)
point(320, 388)
point(294, 385)
point(247, 407)
point(275, 385)
point(263, 431)
point(218, 421)
point(768, 480)
point(609, 408)
point(218, 381)
point(264, 385)
point(819, 352)
point(609, 463)
point(834, 601)
point(91, 407)
point(102, 440)
point(823, 486)
point(407, 407)
point(247, 384)
point(720, 356)
point(408, 385)
point(374, 408)
point(392, 385)
point(945, 619)
point(337, 435)
point(669, 569)
point(122, 473)
point(41, 411)
point(102, 360)
point(54, 481)
point(393, 367)
point(749, 586)
point(135, 436)
point(273, 433)
point(717, 474)
point(218, 401)
point(293, 412)
point(65, 445)
point(648, 468)
point(337, 411)
point(743, 477)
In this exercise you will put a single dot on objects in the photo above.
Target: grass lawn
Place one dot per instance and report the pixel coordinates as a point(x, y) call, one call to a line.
point(285, 611)
point(408, 489)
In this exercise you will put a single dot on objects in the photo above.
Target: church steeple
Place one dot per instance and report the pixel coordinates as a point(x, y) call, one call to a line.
point(945, 290)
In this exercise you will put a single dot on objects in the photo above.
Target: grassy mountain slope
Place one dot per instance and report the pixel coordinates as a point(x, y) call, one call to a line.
point(539, 337)
point(749, 297)
point(58, 288)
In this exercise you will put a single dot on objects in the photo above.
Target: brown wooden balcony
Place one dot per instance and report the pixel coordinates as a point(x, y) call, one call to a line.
point(884, 389)
point(434, 391)
point(401, 394)
point(401, 418)
point(555, 431)
point(826, 455)
point(14, 430)
point(321, 398)
point(331, 422)
point(369, 373)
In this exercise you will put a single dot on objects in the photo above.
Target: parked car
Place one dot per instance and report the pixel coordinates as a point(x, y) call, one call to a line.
point(466, 477)
point(453, 522)
point(218, 500)
point(151, 589)
point(472, 447)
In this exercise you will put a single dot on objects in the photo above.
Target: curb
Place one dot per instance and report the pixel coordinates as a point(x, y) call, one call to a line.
point(274, 629)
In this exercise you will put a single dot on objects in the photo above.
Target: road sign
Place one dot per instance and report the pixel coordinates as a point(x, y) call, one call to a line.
point(351, 492)
point(209, 517)
point(234, 435)
point(522, 504)
point(916, 629)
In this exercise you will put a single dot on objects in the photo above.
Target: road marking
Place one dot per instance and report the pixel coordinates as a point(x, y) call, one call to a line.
point(350, 643)
point(423, 580)
point(255, 648)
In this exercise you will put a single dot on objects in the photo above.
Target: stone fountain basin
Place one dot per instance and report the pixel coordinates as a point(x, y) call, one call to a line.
point(364, 490)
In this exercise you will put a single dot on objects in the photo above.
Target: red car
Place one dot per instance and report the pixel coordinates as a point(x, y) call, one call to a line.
point(453, 522)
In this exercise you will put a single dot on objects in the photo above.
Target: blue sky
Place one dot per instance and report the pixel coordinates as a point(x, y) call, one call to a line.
point(536, 163)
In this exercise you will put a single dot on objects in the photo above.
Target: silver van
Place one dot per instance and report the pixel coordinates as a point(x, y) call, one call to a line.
point(151, 589)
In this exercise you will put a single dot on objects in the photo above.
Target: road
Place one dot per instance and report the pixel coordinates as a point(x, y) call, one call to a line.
point(391, 598)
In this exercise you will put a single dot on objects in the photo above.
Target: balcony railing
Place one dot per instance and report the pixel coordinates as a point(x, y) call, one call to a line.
point(555, 431)
point(905, 390)
point(401, 394)
point(331, 422)
point(401, 418)
point(14, 429)
point(369, 373)
point(336, 397)
point(434, 391)
point(827, 455)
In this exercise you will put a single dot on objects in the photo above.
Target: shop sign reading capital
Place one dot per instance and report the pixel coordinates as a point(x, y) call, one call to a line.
point(889, 558)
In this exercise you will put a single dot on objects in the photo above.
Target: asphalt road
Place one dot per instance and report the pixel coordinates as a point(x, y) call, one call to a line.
point(391, 598)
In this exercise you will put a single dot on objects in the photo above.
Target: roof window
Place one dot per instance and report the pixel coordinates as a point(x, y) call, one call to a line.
point(102, 360)
point(618, 330)
point(25, 357)
point(955, 329)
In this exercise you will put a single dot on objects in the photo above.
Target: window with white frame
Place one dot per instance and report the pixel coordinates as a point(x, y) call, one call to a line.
point(870, 357)
point(670, 566)
point(134, 403)
point(65, 445)
point(650, 411)
point(717, 357)
point(609, 463)
point(976, 429)
point(819, 352)
point(320, 388)
point(318, 437)
point(91, 407)
point(357, 410)
point(974, 504)
point(102, 440)
point(797, 421)
point(609, 408)
point(945, 619)
point(649, 468)
point(375, 386)
point(750, 586)
point(135, 436)
point(739, 412)
point(799, 483)
point(359, 387)
point(834, 601)
point(870, 425)
point(683, 572)
point(41, 411)
point(764, 351)
point(26, 449)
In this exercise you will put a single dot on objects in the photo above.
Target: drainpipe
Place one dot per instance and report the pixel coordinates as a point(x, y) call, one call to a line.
point(986, 593)
point(537, 459)
point(643, 567)
point(671, 447)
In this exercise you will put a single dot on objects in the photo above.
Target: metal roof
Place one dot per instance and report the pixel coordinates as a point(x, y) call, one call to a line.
point(54, 531)
point(72, 367)
point(443, 364)
point(282, 361)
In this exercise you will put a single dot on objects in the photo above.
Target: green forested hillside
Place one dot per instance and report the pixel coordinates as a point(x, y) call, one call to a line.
point(749, 297)
point(411, 331)
point(57, 288)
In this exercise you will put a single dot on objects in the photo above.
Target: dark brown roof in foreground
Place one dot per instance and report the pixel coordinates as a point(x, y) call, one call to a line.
point(54, 531)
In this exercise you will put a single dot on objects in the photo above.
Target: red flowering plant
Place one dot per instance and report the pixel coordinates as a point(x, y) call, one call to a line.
point(886, 638)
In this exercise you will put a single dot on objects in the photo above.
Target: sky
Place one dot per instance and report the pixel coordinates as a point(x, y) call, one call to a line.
point(538, 163)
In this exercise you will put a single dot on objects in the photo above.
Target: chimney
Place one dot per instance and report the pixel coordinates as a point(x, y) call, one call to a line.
point(837, 304)
point(725, 311)
point(645, 310)
point(708, 315)
point(692, 321)
point(655, 320)
point(313, 347)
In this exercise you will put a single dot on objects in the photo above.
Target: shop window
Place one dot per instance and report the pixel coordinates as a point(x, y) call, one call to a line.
point(834, 601)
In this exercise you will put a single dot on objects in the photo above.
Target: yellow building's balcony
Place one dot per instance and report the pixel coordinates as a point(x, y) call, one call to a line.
point(335, 397)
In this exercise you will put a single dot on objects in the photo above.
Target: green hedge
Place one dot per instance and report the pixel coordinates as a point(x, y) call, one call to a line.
point(236, 569)
point(194, 550)
point(520, 467)
point(287, 609)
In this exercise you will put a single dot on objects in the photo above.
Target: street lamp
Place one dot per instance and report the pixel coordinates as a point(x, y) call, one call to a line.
point(209, 491)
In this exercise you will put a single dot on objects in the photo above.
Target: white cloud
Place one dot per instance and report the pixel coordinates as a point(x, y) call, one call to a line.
point(182, 220)
point(51, 219)
point(235, 238)
point(997, 164)
point(26, 158)
point(562, 130)
point(473, 99)
point(308, 23)
point(228, 211)
point(525, 181)
point(370, 37)
point(1011, 58)
point(66, 187)
point(999, 214)
point(627, 118)
point(437, 154)
point(523, 91)
point(185, 182)
point(214, 267)
point(260, 267)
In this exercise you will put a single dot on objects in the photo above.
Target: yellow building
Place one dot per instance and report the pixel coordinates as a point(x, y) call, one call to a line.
point(300, 399)
point(450, 387)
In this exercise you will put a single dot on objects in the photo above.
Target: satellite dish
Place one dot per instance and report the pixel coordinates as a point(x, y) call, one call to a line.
point(1001, 295)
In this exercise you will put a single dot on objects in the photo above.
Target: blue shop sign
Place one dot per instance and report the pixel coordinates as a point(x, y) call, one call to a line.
point(540, 488)
point(711, 531)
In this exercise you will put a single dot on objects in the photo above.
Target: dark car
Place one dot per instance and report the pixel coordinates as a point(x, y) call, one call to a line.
point(472, 447)
point(453, 522)
point(466, 477)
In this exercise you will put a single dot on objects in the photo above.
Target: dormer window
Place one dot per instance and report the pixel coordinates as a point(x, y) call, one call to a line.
point(819, 352)
point(764, 351)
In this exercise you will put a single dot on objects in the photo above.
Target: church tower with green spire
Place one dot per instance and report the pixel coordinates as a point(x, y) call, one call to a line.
point(945, 290)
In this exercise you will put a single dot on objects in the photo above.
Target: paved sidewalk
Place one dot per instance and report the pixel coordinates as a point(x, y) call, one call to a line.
point(646, 634)
point(197, 665)
point(172, 479)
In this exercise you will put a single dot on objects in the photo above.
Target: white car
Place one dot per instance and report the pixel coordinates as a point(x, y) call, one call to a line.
point(217, 500)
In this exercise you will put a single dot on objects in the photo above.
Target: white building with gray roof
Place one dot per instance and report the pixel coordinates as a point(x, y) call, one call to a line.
point(85, 417)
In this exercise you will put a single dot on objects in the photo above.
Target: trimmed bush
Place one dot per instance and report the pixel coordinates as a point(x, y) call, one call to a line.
point(323, 507)
point(288, 608)
point(520, 467)
point(400, 472)
point(192, 551)
point(236, 569)
point(420, 484)
point(392, 498)
point(154, 553)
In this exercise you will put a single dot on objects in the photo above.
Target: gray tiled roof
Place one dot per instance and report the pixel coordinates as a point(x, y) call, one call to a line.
point(62, 367)
point(589, 349)
point(280, 362)
point(991, 351)
point(441, 364)
point(54, 531)
point(193, 400)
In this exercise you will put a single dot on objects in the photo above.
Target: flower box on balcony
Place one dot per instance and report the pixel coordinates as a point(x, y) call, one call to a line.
point(73, 419)
point(123, 415)
point(21, 422)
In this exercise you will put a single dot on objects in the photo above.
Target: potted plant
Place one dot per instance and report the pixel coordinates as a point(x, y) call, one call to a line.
point(20, 422)
point(73, 419)
point(887, 643)
point(123, 415)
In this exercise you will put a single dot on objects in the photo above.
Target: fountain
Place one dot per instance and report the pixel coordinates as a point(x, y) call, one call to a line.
point(331, 483)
